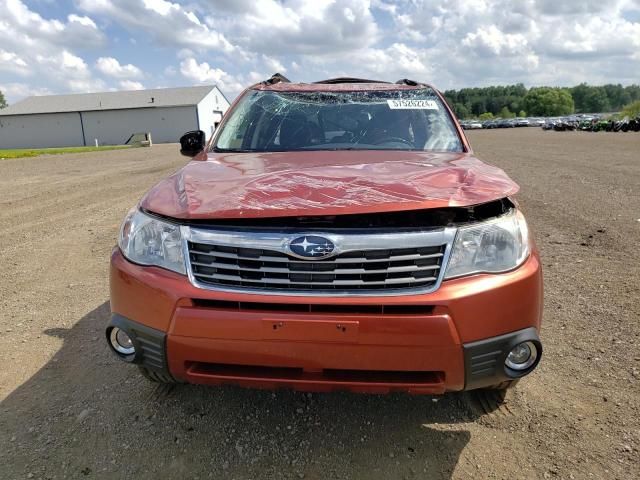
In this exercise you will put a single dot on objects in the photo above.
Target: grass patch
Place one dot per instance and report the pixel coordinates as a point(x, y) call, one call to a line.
point(34, 152)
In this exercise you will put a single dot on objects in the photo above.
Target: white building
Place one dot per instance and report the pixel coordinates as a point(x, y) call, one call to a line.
point(110, 117)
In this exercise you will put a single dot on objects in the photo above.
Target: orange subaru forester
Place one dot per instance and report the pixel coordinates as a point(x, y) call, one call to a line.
point(337, 235)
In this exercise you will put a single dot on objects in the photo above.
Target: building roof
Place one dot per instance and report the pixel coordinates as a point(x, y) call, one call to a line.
point(85, 102)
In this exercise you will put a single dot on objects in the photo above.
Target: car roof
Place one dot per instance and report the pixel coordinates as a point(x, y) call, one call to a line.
point(280, 83)
point(341, 87)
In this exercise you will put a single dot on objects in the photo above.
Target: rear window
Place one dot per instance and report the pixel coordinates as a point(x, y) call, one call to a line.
point(267, 121)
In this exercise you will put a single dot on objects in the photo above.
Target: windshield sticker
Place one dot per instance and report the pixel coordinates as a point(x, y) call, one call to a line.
point(403, 104)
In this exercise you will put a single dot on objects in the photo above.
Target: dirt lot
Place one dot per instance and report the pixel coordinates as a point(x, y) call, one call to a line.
point(69, 409)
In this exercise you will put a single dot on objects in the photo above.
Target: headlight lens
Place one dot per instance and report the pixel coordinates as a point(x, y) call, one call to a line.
point(494, 246)
point(149, 241)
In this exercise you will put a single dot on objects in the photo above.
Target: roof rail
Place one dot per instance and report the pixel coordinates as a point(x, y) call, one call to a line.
point(406, 81)
point(332, 81)
point(276, 78)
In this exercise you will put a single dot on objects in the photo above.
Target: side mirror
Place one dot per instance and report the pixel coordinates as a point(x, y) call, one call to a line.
point(192, 143)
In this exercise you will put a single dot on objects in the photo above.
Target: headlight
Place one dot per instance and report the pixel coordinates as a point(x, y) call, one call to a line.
point(494, 246)
point(149, 241)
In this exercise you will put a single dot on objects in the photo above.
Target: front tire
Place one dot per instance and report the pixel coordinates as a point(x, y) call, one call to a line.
point(492, 398)
point(504, 386)
point(156, 377)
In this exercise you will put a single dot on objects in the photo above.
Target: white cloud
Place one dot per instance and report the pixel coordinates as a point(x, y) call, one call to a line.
point(493, 46)
point(273, 64)
point(22, 28)
point(479, 42)
point(200, 73)
point(168, 23)
point(130, 85)
point(234, 43)
point(85, 21)
point(298, 26)
point(64, 63)
point(390, 8)
point(12, 62)
point(255, 77)
point(43, 50)
point(160, 6)
point(20, 90)
point(70, 71)
point(84, 85)
point(615, 36)
point(391, 63)
point(491, 41)
point(554, 7)
point(111, 67)
point(203, 73)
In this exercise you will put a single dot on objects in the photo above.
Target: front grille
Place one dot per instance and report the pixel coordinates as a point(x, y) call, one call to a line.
point(341, 309)
point(375, 269)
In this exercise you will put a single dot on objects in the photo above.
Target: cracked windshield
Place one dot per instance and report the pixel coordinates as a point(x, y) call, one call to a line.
point(267, 121)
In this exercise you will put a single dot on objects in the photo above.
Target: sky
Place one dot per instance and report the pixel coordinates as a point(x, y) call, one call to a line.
point(75, 46)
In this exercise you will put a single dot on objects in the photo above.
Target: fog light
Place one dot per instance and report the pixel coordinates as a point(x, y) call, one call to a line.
point(522, 356)
point(121, 342)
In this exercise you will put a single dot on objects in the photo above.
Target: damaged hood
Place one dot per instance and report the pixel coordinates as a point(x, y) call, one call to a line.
point(277, 184)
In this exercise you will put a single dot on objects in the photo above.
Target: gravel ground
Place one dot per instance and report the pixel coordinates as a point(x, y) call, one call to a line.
point(69, 409)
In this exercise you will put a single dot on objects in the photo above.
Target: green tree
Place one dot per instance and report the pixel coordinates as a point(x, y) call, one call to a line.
point(486, 116)
point(548, 101)
point(522, 113)
point(460, 109)
point(596, 101)
point(633, 91)
point(632, 110)
point(479, 106)
point(586, 98)
point(579, 94)
point(617, 96)
point(3, 102)
point(506, 113)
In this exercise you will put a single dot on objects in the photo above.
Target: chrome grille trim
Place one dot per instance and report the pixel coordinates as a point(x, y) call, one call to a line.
point(340, 271)
point(285, 281)
point(258, 262)
point(265, 258)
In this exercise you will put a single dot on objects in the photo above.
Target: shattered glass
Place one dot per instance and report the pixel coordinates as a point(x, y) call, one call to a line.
point(269, 121)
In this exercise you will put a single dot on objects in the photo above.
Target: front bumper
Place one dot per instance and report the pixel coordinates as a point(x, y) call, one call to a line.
point(428, 343)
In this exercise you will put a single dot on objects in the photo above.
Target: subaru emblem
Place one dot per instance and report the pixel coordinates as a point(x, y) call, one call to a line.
point(312, 247)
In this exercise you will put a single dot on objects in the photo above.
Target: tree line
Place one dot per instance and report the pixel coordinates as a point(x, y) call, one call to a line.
point(517, 100)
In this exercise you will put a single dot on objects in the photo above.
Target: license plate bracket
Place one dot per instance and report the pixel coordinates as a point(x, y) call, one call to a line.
point(310, 330)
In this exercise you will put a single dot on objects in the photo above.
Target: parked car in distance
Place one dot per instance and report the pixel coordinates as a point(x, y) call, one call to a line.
point(470, 124)
point(521, 122)
point(506, 123)
point(337, 235)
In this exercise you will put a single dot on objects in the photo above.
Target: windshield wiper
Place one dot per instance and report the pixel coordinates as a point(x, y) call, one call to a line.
point(233, 150)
